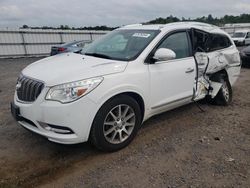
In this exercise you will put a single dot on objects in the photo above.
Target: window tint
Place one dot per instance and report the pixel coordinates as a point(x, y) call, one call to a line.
point(218, 42)
point(178, 42)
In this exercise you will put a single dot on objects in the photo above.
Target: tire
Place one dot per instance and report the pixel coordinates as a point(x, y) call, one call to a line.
point(224, 96)
point(116, 123)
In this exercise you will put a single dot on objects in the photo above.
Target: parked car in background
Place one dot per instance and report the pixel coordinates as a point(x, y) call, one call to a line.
point(75, 46)
point(245, 56)
point(105, 92)
point(241, 38)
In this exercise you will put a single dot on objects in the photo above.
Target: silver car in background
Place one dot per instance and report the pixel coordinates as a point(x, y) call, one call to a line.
point(75, 46)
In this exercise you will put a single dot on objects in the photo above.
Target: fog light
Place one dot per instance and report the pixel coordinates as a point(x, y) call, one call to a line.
point(56, 128)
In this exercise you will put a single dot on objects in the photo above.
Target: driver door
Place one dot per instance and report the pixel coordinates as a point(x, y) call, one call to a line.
point(172, 81)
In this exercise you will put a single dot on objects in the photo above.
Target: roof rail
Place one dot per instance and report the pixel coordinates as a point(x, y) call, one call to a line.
point(192, 23)
point(132, 25)
point(202, 24)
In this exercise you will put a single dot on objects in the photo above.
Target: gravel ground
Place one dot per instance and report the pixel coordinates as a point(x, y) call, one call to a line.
point(180, 148)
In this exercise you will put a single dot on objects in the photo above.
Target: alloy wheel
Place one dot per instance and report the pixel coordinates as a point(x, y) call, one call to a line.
point(119, 124)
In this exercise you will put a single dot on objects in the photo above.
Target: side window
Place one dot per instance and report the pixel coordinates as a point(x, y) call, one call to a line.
point(178, 42)
point(218, 42)
point(199, 41)
point(248, 35)
point(229, 43)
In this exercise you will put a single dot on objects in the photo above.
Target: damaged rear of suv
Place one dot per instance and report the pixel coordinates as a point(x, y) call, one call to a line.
point(218, 64)
point(106, 92)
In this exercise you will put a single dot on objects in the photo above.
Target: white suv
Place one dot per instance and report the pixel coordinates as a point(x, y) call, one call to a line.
point(107, 91)
point(241, 38)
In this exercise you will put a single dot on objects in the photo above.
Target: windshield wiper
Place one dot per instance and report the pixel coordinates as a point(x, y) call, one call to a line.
point(98, 55)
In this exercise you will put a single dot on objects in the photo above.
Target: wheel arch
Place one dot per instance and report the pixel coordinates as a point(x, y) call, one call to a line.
point(139, 99)
point(215, 76)
point(220, 97)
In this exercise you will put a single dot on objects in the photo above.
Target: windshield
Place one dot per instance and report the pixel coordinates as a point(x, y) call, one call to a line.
point(122, 45)
point(239, 35)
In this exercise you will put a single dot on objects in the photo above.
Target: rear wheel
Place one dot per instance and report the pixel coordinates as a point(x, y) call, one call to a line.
point(224, 96)
point(116, 123)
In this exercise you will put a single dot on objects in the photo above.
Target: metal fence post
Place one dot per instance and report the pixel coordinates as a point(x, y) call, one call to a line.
point(91, 37)
point(23, 42)
point(61, 37)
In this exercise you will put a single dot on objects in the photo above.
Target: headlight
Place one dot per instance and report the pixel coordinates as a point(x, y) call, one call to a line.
point(69, 92)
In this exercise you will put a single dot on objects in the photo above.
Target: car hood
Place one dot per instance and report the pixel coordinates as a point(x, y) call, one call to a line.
point(238, 39)
point(71, 67)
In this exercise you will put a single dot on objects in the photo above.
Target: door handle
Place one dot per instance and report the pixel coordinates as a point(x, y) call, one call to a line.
point(189, 70)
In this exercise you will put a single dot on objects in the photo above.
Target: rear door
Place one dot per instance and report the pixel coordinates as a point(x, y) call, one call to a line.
point(223, 55)
point(172, 81)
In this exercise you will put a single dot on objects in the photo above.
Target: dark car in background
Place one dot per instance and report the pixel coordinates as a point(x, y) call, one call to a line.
point(245, 56)
point(75, 46)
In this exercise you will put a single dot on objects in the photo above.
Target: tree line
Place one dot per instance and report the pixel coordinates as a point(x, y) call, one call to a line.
point(243, 18)
point(66, 27)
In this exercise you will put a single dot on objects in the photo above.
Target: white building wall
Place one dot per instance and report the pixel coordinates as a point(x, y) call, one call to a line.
point(232, 28)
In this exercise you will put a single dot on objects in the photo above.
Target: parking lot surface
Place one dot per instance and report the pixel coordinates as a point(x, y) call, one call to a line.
point(181, 148)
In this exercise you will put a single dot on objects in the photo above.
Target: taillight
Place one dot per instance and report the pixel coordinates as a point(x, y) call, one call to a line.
point(61, 49)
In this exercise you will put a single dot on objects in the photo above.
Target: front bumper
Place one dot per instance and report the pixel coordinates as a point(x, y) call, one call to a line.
point(76, 116)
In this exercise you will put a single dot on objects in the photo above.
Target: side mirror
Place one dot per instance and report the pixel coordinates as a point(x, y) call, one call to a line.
point(164, 54)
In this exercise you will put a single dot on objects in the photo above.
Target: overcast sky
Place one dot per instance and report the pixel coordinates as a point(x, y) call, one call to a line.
point(15, 13)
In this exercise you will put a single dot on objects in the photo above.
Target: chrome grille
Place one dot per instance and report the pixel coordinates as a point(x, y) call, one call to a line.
point(28, 89)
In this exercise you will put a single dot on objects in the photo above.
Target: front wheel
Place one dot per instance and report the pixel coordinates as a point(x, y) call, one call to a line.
point(116, 123)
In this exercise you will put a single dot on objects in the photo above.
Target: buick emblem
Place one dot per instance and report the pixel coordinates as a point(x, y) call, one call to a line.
point(18, 85)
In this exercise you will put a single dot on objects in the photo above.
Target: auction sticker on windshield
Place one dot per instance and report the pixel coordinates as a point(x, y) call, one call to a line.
point(143, 35)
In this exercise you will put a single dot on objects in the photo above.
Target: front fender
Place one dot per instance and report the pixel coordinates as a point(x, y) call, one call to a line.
point(114, 91)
